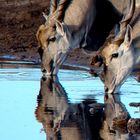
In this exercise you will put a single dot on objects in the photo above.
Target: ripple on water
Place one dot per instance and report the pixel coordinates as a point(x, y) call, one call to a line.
point(21, 74)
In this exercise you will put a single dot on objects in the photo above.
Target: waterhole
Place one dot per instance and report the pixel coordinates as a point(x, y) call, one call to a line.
point(33, 108)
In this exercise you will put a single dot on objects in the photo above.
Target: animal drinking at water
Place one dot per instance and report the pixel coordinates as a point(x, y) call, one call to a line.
point(122, 53)
point(66, 28)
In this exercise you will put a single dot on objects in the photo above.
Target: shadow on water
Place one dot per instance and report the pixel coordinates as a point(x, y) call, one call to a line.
point(86, 120)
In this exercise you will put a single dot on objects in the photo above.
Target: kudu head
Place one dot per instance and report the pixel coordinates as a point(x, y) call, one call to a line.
point(53, 38)
point(117, 55)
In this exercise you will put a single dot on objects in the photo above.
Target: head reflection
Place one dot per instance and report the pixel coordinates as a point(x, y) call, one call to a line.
point(64, 120)
point(116, 114)
point(52, 106)
point(116, 118)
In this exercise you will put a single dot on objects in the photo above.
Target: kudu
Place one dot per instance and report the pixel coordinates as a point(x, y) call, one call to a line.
point(122, 52)
point(63, 31)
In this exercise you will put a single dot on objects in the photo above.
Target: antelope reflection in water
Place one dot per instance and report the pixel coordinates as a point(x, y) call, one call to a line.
point(86, 120)
point(62, 119)
point(116, 119)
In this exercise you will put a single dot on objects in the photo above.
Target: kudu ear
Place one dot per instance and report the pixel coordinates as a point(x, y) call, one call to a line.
point(128, 36)
point(45, 16)
point(60, 28)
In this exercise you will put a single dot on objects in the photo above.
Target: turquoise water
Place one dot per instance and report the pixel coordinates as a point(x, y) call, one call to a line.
point(19, 89)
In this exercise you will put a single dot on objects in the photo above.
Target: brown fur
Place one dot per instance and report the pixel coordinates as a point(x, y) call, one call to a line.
point(43, 35)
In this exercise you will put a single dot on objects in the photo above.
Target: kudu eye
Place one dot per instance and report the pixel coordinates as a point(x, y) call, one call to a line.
point(115, 55)
point(52, 39)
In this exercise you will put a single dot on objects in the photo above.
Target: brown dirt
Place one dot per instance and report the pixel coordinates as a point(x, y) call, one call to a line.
point(19, 21)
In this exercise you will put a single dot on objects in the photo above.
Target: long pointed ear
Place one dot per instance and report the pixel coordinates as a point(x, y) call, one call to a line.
point(128, 36)
point(60, 28)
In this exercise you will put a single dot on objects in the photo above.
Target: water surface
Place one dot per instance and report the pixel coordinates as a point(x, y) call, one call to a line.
point(19, 89)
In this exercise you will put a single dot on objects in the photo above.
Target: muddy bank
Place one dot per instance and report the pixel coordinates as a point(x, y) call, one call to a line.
point(19, 21)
